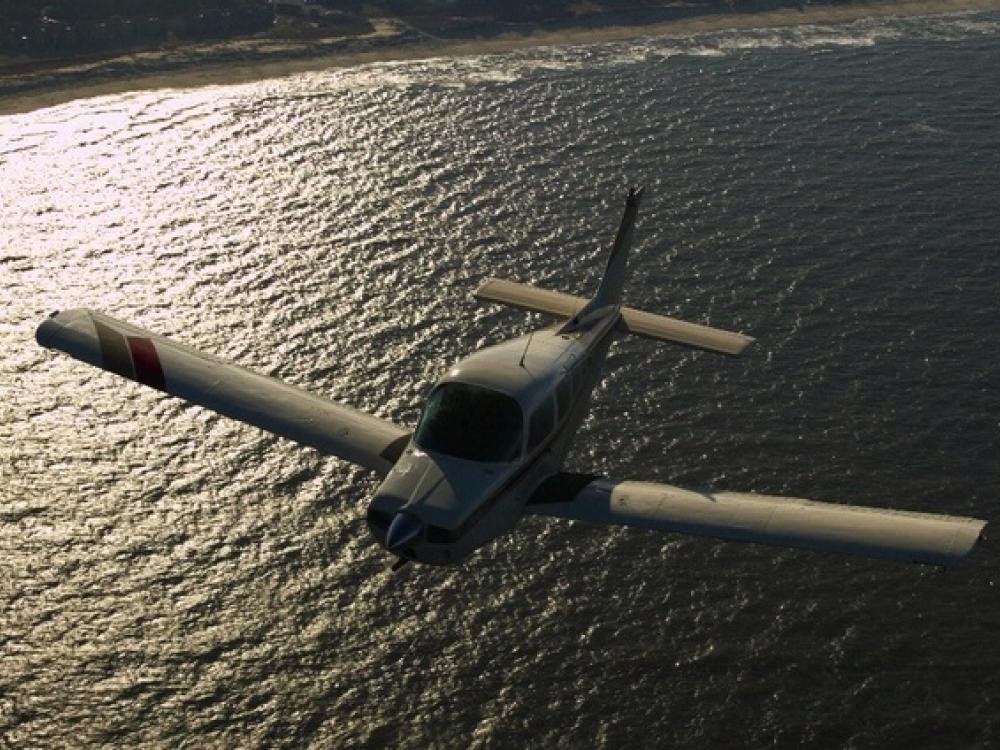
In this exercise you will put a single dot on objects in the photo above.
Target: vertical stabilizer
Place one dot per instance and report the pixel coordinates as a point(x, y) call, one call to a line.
point(610, 290)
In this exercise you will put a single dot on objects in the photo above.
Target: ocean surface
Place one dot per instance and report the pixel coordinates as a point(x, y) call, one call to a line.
point(170, 578)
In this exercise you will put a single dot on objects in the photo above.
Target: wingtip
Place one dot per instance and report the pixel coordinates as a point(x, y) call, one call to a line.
point(739, 346)
point(48, 332)
point(480, 291)
point(47, 329)
point(966, 540)
point(748, 341)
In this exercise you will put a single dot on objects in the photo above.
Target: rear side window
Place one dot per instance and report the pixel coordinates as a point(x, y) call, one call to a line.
point(564, 395)
point(542, 422)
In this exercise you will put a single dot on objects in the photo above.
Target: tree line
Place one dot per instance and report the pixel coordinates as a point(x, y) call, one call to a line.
point(47, 27)
point(55, 27)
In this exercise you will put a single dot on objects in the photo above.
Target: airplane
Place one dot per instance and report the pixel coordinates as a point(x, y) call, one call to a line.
point(490, 444)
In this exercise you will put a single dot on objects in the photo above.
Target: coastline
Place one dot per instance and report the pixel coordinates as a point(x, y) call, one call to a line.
point(244, 61)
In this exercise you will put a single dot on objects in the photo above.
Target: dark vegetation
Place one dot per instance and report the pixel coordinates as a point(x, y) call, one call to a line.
point(58, 28)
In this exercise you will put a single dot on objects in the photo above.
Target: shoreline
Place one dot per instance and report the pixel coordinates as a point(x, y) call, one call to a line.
point(245, 61)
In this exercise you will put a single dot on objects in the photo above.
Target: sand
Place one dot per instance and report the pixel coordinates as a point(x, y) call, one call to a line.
point(214, 64)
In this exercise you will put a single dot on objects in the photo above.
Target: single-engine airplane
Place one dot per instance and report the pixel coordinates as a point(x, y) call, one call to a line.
point(490, 444)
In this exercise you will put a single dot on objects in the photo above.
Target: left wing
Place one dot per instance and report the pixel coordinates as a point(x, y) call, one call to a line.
point(221, 386)
point(784, 521)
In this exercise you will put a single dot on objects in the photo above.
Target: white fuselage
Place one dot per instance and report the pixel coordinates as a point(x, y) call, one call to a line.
point(494, 427)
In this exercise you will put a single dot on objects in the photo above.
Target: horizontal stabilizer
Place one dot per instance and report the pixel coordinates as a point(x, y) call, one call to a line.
point(783, 521)
point(681, 332)
point(530, 298)
point(221, 386)
point(633, 321)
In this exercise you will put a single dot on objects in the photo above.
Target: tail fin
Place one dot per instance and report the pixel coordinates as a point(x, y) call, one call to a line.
point(609, 295)
point(613, 281)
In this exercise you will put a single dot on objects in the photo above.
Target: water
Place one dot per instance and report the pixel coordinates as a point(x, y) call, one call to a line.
point(170, 577)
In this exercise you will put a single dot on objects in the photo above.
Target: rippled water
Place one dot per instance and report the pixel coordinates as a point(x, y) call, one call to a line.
point(168, 576)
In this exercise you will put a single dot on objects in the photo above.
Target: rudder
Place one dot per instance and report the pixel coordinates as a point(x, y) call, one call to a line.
point(613, 282)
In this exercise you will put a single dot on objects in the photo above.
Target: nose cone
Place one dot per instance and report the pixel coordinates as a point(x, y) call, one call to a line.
point(403, 532)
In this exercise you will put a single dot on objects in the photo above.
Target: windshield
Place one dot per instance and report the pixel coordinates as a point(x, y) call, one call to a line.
point(466, 421)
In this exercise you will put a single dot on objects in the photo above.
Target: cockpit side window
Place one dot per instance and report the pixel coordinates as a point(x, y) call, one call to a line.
point(471, 422)
point(542, 421)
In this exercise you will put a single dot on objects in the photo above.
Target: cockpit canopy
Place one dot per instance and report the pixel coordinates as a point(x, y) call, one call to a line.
point(471, 422)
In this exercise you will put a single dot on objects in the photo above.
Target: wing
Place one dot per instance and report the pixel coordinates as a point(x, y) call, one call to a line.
point(267, 403)
point(784, 521)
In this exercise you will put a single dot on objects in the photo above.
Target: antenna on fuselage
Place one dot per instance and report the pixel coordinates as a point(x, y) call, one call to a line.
point(525, 352)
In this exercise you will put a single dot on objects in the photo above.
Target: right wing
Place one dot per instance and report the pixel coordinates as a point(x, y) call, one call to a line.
point(218, 385)
point(783, 521)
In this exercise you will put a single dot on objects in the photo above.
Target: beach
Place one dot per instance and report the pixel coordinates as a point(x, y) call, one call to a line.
point(251, 59)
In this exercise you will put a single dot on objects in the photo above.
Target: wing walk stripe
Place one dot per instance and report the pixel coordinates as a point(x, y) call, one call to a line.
point(114, 351)
point(561, 488)
point(147, 363)
point(394, 450)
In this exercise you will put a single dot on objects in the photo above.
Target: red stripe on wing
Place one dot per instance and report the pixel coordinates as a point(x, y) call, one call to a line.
point(147, 363)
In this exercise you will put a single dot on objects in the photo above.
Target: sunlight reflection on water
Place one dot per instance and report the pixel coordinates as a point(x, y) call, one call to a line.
point(170, 575)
